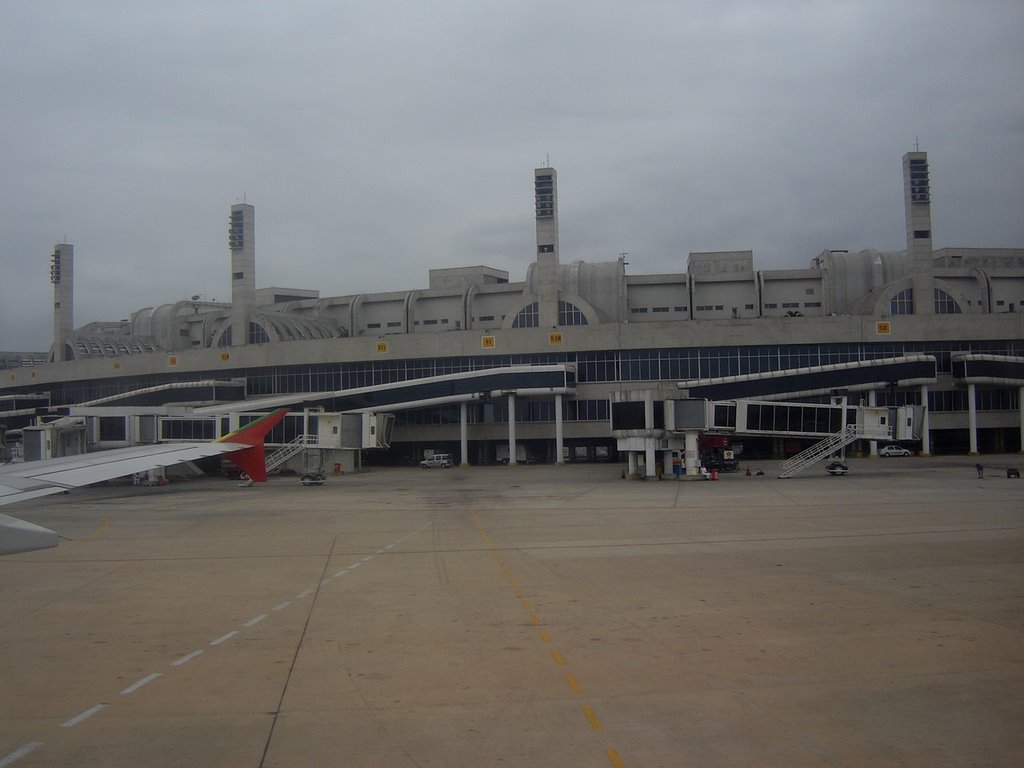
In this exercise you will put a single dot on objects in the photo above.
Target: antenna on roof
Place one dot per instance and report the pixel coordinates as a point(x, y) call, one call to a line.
point(547, 159)
point(917, 147)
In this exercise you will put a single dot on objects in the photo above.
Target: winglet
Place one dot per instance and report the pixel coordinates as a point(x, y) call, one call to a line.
point(252, 460)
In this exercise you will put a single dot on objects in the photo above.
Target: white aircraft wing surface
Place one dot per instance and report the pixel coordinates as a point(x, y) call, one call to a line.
point(39, 478)
point(31, 479)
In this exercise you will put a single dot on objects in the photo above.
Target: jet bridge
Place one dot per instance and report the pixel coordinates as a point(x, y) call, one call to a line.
point(643, 422)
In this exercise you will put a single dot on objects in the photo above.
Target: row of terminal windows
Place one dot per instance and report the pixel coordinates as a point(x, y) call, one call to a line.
point(497, 412)
point(609, 366)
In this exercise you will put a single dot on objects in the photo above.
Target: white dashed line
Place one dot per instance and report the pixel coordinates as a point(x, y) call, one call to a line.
point(185, 659)
point(84, 716)
point(79, 718)
point(20, 752)
point(139, 683)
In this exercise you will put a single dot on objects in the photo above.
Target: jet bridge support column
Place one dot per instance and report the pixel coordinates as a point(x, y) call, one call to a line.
point(926, 438)
point(1020, 404)
point(691, 453)
point(559, 435)
point(464, 434)
point(512, 430)
point(872, 444)
point(649, 453)
point(972, 417)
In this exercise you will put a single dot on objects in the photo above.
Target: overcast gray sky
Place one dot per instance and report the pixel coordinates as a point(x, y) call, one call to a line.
point(380, 139)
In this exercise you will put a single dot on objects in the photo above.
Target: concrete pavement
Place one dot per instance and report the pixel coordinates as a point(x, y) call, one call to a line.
point(535, 615)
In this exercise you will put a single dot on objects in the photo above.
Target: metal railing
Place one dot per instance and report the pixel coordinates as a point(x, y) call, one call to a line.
point(289, 449)
point(828, 446)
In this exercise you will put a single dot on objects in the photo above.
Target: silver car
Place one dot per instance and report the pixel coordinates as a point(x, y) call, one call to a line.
point(893, 450)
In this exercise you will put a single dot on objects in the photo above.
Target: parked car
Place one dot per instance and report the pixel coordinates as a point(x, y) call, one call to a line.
point(437, 460)
point(893, 450)
point(836, 468)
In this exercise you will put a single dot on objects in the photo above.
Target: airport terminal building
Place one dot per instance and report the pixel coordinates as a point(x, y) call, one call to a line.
point(719, 329)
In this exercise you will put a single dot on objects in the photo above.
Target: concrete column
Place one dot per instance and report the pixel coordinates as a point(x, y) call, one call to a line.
point(512, 431)
point(872, 444)
point(631, 458)
point(1020, 405)
point(691, 454)
point(559, 436)
point(649, 457)
point(666, 463)
point(464, 433)
point(972, 417)
point(926, 438)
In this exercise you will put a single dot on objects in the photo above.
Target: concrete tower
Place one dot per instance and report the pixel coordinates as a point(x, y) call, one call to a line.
point(242, 242)
point(62, 275)
point(545, 185)
point(917, 201)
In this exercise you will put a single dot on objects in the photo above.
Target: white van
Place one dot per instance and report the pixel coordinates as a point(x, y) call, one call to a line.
point(437, 460)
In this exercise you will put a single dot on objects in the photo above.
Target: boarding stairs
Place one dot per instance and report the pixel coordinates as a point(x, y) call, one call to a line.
point(289, 449)
point(828, 446)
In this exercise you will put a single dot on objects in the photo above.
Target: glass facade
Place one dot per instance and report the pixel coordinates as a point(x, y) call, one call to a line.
point(600, 367)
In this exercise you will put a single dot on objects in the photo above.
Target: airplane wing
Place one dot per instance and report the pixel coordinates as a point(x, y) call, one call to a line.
point(32, 479)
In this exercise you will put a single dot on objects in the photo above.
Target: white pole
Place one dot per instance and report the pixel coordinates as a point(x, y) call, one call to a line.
point(464, 433)
point(559, 436)
point(926, 437)
point(972, 417)
point(512, 430)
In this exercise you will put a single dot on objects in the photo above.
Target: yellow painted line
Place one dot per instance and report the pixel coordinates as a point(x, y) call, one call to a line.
point(613, 756)
point(592, 719)
point(97, 531)
point(573, 685)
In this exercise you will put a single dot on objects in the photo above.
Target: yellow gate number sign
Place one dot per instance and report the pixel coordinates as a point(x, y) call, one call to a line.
point(382, 346)
point(883, 328)
point(554, 338)
point(487, 342)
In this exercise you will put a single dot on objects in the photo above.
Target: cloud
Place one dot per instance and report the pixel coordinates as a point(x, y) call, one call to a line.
point(378, 141)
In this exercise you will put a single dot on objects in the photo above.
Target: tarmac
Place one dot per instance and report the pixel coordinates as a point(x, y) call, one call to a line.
point(524, 616)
